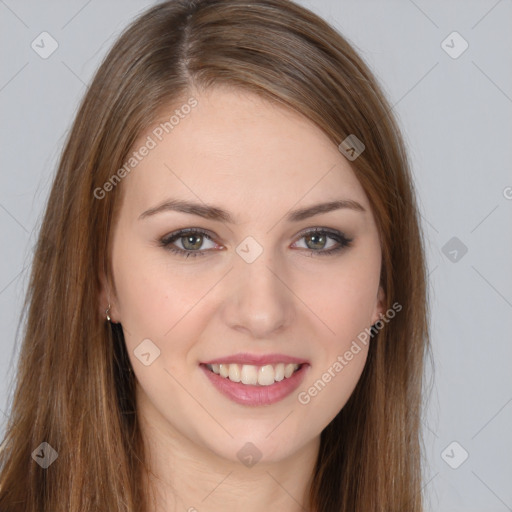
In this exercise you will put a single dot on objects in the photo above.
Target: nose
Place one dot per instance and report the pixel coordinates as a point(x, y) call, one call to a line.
point(259, 302)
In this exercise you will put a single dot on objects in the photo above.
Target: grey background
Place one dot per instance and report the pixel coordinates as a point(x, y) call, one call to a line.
point(456, 115)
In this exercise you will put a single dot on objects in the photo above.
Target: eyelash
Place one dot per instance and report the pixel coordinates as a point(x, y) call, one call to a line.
point(339, 237)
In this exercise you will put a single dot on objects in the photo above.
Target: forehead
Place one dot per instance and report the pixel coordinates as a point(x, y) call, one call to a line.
point(235, 148)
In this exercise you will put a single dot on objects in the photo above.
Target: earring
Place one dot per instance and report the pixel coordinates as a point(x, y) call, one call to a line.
point(107, 311)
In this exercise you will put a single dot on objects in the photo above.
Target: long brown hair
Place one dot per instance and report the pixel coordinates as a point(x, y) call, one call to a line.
point(73, 388)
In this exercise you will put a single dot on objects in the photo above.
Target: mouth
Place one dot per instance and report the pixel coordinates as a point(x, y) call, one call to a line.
point(252, 375)
point(255, 385)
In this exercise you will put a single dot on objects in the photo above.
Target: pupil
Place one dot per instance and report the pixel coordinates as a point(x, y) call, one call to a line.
point(320, 245)
point(189, 239)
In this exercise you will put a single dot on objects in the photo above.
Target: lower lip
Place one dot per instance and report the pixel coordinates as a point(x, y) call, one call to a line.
point(246, 394)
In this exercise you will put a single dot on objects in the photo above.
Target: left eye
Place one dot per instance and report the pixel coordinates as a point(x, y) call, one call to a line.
point(192, 239)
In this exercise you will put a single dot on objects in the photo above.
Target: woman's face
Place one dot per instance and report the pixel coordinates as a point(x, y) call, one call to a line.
point(251, 289)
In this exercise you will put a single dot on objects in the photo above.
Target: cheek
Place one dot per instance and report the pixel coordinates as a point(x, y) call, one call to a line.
point(163, 304)
point(152, 295)
point(330, 388)
point(343, 298)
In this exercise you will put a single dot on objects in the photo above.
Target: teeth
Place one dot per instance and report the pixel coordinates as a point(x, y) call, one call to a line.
point(253, 375)
point(266, 375)
point(288, 370)
point(249, 374)
point(234, 373)
point(279, 372)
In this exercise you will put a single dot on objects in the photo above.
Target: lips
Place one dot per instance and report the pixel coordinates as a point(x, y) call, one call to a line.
point(250, 379)
point(255, 359)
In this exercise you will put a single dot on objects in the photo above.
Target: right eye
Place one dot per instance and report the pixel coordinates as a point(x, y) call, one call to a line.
point(191, 239)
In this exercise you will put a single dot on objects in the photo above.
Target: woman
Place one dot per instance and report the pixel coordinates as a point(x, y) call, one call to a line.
point(227, 307)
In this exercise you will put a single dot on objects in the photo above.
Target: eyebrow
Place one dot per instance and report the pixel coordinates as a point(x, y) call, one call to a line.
point(216, 213)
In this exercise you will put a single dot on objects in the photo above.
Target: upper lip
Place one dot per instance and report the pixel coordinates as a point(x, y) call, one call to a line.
point(256, 359)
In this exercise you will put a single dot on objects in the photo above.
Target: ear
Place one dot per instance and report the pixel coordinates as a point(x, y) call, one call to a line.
point(103, 300)
point(379, 305)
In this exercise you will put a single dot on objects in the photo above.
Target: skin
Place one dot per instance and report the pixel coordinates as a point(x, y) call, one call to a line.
point(259, 161)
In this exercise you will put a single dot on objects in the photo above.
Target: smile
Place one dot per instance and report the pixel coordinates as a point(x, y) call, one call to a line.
point(249, 374)
point(255, 385)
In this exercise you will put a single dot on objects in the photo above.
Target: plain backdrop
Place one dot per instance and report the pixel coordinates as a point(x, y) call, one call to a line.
point(452, 94)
